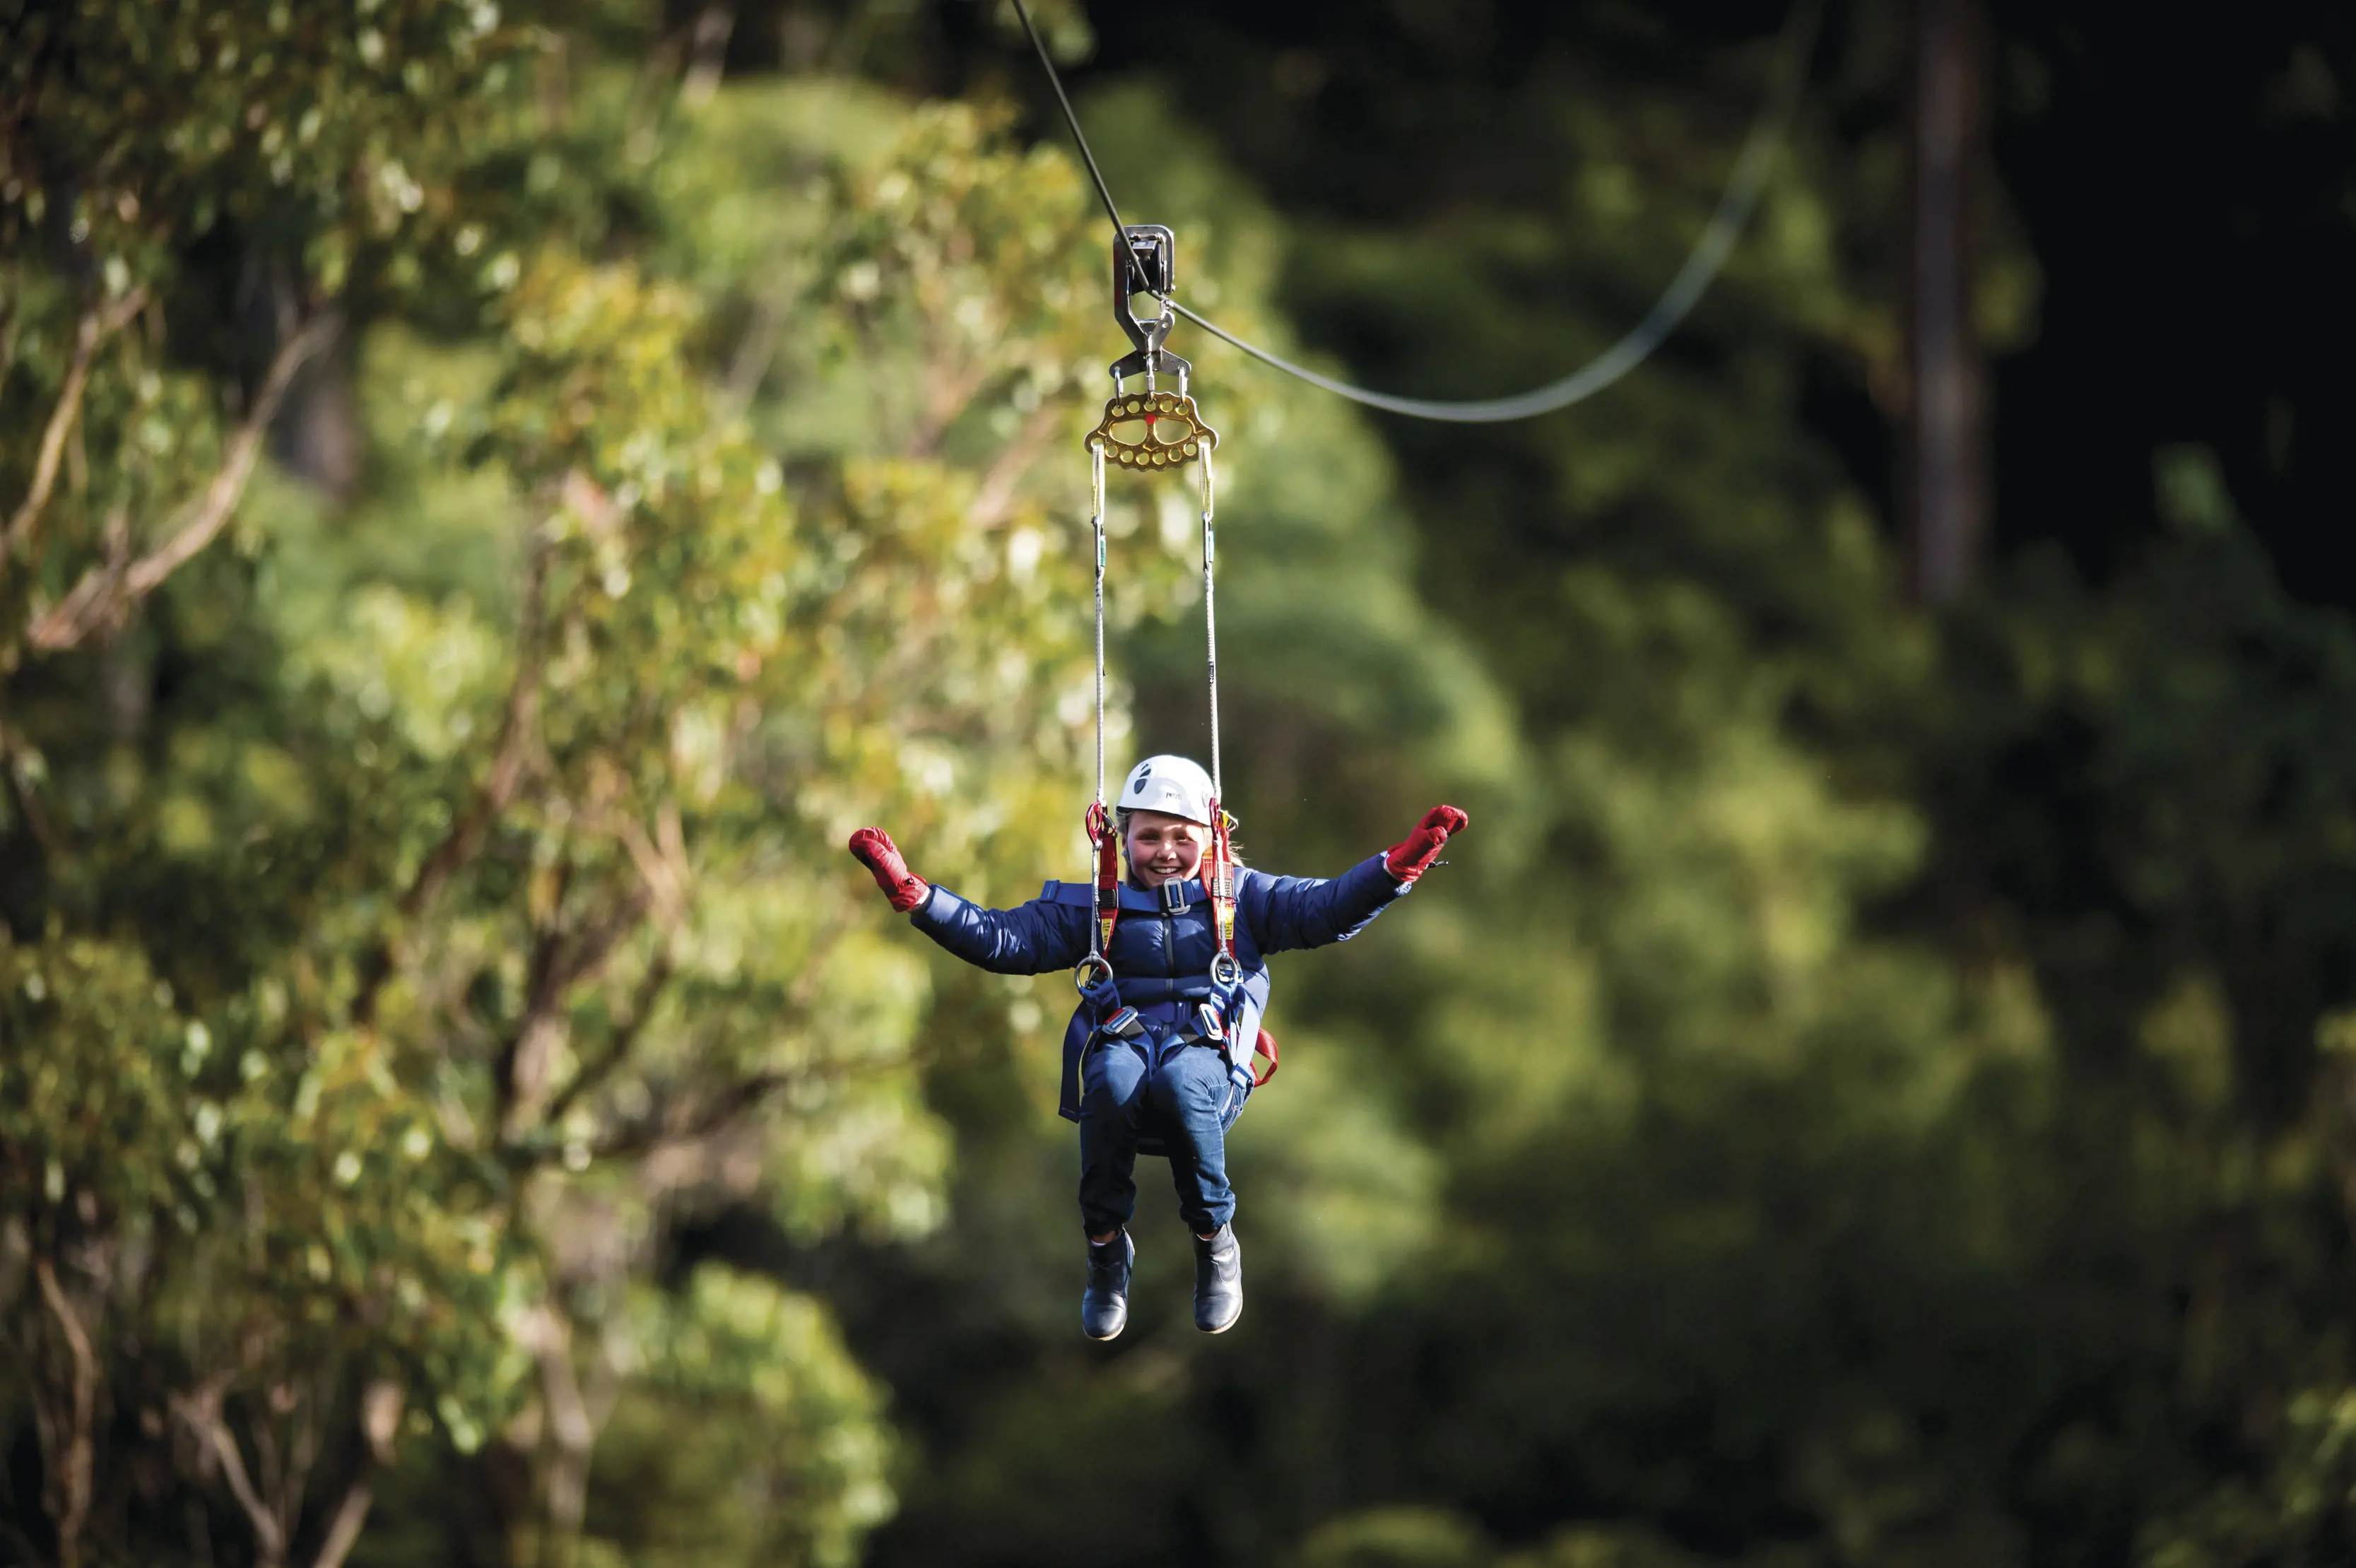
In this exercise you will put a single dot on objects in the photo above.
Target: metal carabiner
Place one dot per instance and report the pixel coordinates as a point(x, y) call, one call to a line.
point(1225, 970)
point(1080, 981)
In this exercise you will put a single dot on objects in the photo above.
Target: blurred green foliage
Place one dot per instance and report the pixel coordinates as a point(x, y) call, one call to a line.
point(490, 502)
point(422, 873)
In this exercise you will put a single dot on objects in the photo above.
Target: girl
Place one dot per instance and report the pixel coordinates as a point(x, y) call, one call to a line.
point(1161, 1054)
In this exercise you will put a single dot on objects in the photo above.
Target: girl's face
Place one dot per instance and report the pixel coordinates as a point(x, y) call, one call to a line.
point(1164, 848)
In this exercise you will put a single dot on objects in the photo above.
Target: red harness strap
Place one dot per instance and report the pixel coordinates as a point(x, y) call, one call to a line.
point(1107, 843)
point(1220, 883)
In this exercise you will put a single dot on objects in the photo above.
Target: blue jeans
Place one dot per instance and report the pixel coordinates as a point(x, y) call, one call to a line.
point(1177, 1092)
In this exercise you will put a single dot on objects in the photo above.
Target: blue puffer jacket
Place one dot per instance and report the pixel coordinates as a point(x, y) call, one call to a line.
point(1164, 943)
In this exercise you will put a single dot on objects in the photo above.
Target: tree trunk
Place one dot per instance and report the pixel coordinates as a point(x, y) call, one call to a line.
point(1946, 436)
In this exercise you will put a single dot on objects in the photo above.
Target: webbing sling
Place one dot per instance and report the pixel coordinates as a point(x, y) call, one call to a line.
point(1106, 902)
point(1104, 899)
point(1219, 868)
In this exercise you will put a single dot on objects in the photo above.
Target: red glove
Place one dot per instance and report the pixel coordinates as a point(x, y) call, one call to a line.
point(1410, 860)
point(880, 854)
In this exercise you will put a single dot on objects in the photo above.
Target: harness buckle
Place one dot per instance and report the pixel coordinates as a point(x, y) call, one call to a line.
point(1209, 1024)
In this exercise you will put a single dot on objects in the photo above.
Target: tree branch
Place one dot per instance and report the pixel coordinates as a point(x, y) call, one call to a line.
point(713, 1115)
point(98, 324)
point(202, 1414)
point(625, 1039)
point(558, 961)
point(747, 1094)
point(344, 1533)
point(994, 500)
point(660, 859)
point(18, 766)
point(514, 746)
point(594, 942)
point(94, 602)
point(572, 1428)
point(524, 1057)
point(296, 1477)
point(754, 352)
point(709, 56)
point(90, 602)
point(229, 486)
point(498, 789)
point(12, 318)
point(75, 1512)
point(381, 1406)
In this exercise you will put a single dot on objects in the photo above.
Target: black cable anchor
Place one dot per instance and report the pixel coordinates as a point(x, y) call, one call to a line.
point(1153, 429)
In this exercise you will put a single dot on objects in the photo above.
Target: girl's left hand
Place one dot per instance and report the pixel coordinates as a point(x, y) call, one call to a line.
point(1413, 856)
point(881, 856)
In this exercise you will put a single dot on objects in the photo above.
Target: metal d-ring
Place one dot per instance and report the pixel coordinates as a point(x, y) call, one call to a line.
point(1080, 981)
point(1224, 970)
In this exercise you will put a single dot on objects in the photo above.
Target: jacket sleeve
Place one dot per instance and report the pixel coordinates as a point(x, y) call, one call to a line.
point(1029, 938)
point(1288, 913)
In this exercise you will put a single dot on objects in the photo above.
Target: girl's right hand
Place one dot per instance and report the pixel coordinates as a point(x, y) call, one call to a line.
point(876, 850)
point(1413, 856)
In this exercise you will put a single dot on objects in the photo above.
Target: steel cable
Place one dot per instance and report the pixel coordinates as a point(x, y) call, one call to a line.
point(1693, 279)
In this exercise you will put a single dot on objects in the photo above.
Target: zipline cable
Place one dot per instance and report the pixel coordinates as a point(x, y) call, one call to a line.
point(1735, 207)
point(1088, 153)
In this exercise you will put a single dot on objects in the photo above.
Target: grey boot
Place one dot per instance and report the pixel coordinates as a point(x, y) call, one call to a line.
point(1104, 1306)
point(1218, 1281)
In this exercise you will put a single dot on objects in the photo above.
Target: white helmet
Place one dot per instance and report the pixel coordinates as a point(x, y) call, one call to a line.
point(1173, 786)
